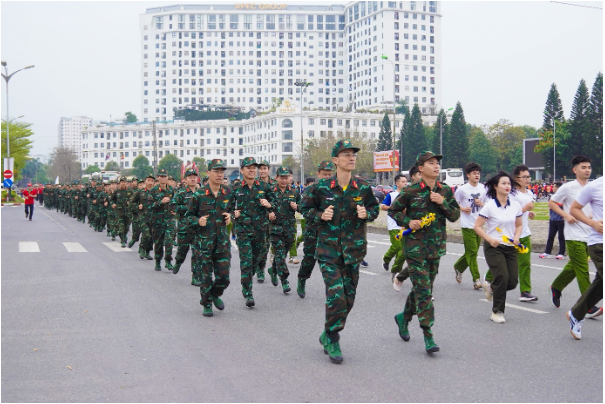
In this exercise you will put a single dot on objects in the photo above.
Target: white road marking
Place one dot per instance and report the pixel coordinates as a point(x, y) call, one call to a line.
point(514, 306)
point(367, 272)
point(115, 247)
point(379, 242)
point(60, 225)
point(74, 247)
point(28, 246)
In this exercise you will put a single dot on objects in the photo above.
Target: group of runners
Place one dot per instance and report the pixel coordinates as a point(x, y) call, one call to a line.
point(261, 213)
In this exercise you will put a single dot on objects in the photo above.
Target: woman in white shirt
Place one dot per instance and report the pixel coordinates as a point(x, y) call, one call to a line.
point(502, 217)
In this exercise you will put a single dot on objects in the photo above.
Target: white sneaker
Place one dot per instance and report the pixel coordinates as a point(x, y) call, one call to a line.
point(458, 276)
point(487, 289)
point(497, 318)
point(575, 325)
point(545, 256)
point(477, 285)
point(397, 284)
point(559, 257)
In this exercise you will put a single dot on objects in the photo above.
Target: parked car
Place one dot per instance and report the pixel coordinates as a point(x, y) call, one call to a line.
point(378, 194)
point(385, 189)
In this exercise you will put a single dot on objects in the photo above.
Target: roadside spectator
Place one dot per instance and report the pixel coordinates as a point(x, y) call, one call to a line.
point(28, 195)
point(556, 225)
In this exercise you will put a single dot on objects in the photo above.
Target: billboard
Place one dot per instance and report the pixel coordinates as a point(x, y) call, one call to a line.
point(535, 161)
point(383, 161)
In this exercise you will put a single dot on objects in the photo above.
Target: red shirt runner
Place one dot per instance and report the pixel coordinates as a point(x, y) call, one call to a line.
point(29, 196)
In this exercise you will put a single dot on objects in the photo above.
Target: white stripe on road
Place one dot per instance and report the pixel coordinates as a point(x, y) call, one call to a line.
point(115, 247)
point(514, 306)
point(74, 247)
point(367, 272)
point(379, 242)
point(28, 246)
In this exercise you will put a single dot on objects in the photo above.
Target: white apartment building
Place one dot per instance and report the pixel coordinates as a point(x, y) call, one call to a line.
point(248, 55)
point(70, 132)
point(272, 137)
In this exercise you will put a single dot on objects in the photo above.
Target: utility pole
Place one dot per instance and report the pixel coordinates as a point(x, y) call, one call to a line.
point(155, 152)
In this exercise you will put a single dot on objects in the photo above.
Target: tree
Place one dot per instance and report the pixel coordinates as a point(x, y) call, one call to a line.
point(92, 169)
point(172, 164)
point(482, 152)
point(65, 165)
point(402, 107)
point(416, 142)
point(20, 145)
point(405, 138)
point(112, 166)
point(553, 108)
point(130, 117)
point(35, 172)
point(594, 142)
point(457, 145)
point(141, 167)
point(440, 127)
point(580, 124)
point(506, 140)
point(545, 146)
point(385, 136)
point(201, 164)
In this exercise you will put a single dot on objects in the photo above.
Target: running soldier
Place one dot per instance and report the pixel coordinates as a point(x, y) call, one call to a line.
point(134, 213)
point(344, 205)
point(160, 221)
point(263, 176)
point(141, 201)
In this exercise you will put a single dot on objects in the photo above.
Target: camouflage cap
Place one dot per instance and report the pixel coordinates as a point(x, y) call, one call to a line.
point(162, 173)
point(283, 171)
point(189, 172)
point(426, 155)
point(264, 163)
point(135, 179)
point(142, 180)
point(248, 161)
point(150, 175)
point(218, 163)
point(325, 165)
point(204, 178)
point(343, 144)
point(122, 179)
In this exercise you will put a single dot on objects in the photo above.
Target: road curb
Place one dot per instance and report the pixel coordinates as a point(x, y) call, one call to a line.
point(12, 204)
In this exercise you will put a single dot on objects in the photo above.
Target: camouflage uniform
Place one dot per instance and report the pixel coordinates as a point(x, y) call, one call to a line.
point(185, 232)
point(136, 219)
point(143, 197)
point(121, 198)
point(211, 245)
point(262, 263)
point(424, 247)
point(160, 221)
point(283, 229)
point(82, 203)
point(341, 244)
point(251, 226)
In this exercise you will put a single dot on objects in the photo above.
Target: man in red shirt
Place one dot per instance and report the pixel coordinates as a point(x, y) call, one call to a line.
point(40, 190)
point(29, 195)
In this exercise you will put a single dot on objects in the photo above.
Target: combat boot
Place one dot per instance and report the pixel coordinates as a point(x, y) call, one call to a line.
point(177, 266)
point(131, 243)
point(208, 311)
point(332, 348)
point(195, 280)
point(113, 238)
point(273, 276)
point(285, 286)
point(260, 276)
point(430, 345)
point(403, 327)
point(301, 288)
point(249, 302)
point(123, 244)
point(158, 265)
point(169, 266)
point(148, 256)
point(218, 303)
point(108, 233)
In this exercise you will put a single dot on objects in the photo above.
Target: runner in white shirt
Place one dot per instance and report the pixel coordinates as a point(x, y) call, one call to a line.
point(397, 246)
point(526, 199)
point(471, 197)
point(591, 194)
point(502, 217)
point(576, 234)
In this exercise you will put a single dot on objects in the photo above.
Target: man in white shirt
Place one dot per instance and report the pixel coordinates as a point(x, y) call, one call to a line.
point(525, 197)
point(397, 246)
point(576, 234)
point(591, 194)
point(471, 197)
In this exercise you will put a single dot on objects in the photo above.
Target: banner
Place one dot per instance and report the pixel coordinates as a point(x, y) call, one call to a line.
point(383, 161)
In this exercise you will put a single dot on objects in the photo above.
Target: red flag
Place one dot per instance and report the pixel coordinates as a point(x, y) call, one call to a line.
point(182, 170)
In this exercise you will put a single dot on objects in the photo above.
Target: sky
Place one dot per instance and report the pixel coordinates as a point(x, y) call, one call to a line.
point(499, 59)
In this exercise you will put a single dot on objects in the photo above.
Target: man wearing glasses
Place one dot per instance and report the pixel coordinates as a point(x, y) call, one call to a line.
point(342, 205)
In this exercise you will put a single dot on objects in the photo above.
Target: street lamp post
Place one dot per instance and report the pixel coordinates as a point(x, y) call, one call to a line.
point(6, 78)
point(303, 87)
point(554, 150)
point(441, 135)
point(386, 59)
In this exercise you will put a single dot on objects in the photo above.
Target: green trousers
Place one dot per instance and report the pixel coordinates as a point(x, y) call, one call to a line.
point(396, 250)
point(594, 293)
point(524, 262)
point(469, 260)
point(299, 239)
point(577, 267)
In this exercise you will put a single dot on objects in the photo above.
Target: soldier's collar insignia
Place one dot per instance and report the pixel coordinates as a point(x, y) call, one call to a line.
point(207, 191)
point(354, 184)
point(256, 182)
point(333, 184)
point(439, 184)
point(222, 190)
point(422, 185)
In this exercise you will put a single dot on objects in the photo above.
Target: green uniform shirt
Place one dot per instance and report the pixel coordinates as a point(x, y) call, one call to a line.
point(204, 203)
point(253, 215)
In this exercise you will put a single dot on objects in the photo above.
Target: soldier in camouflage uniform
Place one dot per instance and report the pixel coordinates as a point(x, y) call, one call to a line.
point(141, 200)
point(282, 226)
point(134, 214)
point(90, 191)
point(119, 204)
point(95, 206)
point(324, 170)
point(82, 202)
point(252, 199)
point(161, 219)
point(111, 216)
point(344, 205)
point(185, 231)
point(263, 176)
point(104, 206)
point(425, 246)
point(208, 214)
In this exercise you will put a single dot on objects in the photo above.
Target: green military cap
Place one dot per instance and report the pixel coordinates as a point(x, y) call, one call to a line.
point(204, 178)
point(135, 179)
point(170, 177)
point(343, 144)
point(426, 155)
point(248, 161)
point(141, 180)
point(325, 165)
point(264, 163)
point(162, 173)
point(150, 175)
point(283, 171)
point(237, 181)
point(189, 172)
point(218, 163)
point(122, 179)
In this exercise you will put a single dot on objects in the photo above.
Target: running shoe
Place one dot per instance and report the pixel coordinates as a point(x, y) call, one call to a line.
point(477, 285)
point(559, 257)
point(487, 289)
point(594, 312)
point(364, 264)
point(555, 297)
point(575, 326)
point(527, 297)
point(397, 284)
point(458, 276)
point(497, 318)
point(545, 256)
point(385, 265)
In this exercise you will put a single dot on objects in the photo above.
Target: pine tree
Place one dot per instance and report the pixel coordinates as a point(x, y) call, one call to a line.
point(405, 135)
point(385, 137)
point(440, 127)
point(594, 143)
point(457, 145)
point(553, 108)
point(482, 152)
point(579, 122)
point(416, 142)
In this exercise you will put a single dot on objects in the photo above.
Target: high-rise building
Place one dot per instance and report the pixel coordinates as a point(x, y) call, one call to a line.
point(70, 132)
point(357, 56)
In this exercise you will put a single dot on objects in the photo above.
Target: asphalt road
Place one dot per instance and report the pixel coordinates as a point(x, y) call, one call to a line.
point(103, 326)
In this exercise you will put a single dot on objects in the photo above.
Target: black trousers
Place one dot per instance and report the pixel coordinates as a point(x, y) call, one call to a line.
point(594, 293)
point(504, 266)
point(553, 229)
point(29, 210)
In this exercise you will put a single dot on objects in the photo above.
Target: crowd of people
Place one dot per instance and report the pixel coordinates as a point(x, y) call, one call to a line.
point(201, 214)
